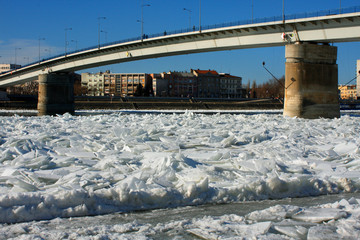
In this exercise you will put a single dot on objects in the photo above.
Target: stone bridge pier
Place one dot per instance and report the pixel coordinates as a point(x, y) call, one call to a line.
point(56, 94)
point(311, 81)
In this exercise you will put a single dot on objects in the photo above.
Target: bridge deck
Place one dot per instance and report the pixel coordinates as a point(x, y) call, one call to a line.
point(329, 28)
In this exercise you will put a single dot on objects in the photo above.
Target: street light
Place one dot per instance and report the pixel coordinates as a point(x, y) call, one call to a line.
point(15, 55)
point(142, 19)
point(340, 7)
point(252, 11)
point(39, 46)
point(283, 11)
point(185, 9)
point(66, 43)
point(199, 15)
point(99, 18)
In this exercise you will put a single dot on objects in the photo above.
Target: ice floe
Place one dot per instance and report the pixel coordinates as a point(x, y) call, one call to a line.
point(68, 166)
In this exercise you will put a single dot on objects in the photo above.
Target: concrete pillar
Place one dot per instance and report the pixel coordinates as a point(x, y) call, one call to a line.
point(56, 94)
point(311, 81)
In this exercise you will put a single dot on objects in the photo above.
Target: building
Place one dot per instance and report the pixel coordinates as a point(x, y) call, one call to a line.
point(182, 84)
point(208, 83)
point(8, 67)
point(117, 84)
point(174, 84)
point(196, 83)
point(133, 84)
point(94, 83)
point(231, 86)
point(348, 92)
point(160, 85)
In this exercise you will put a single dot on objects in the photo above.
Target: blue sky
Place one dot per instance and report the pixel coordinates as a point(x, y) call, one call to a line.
point(24, 22)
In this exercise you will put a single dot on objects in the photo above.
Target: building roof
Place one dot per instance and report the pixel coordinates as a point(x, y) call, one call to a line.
point(198, 71)
point(228, 75)
point(346, 87)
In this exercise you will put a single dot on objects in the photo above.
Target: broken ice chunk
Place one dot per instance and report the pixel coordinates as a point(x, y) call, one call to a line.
point(318, 215)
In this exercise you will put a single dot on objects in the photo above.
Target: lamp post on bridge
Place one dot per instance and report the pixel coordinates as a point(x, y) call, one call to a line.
point(199, 15)
point(39, 46)
point(142, 19)
point(99, 18)
point(283, 11)
point(66, 42)
point(340, 8)
point(188, 10)
point(252, 11)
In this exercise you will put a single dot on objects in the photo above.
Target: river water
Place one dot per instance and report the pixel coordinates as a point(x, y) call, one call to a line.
point(161, 224)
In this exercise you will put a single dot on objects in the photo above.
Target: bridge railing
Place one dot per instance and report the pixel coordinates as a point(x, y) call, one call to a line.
point(214, 26)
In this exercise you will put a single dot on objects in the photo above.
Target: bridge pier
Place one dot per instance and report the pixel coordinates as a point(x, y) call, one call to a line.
point(311, 81)
point(56, 94)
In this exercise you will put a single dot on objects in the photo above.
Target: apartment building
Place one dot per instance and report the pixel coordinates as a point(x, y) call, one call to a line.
point(117, 84)
point(348, 92)
point(231, 86)
point(160, 85)
point(208, 83)
point(94, 83)
point(196, 83)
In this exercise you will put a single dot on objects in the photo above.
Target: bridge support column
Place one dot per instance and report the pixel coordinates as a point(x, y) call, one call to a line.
point(311, 81)
point(56, 94)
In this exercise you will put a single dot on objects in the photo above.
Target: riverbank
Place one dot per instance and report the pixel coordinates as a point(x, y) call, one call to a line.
point(86, 103)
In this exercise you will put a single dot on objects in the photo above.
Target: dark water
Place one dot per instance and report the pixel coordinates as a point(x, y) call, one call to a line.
point(164, 216)
point(241, 209)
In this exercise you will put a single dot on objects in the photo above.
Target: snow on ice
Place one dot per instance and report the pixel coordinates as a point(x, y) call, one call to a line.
point(72, 166)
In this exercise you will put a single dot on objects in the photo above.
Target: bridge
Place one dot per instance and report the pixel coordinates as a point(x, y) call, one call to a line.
point(311, 61)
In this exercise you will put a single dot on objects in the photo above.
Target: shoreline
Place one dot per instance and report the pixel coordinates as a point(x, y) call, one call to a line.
point(92, 103)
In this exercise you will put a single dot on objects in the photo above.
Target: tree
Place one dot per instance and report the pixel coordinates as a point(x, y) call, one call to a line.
point(273, 88)
point(253, 90)
point(139, 90)
point(248, 89)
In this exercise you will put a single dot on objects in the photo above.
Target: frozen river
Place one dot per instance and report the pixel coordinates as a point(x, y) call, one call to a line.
point(186, 174)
